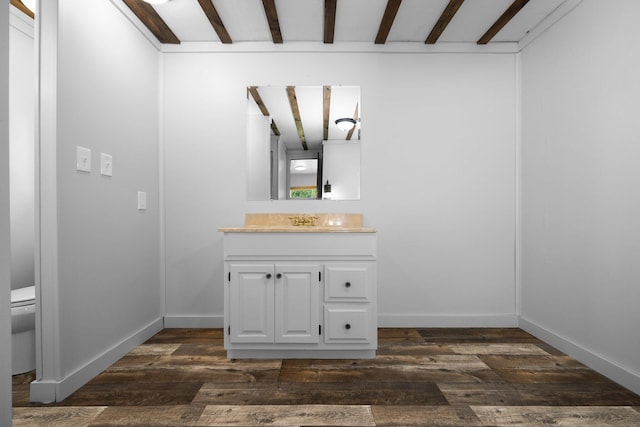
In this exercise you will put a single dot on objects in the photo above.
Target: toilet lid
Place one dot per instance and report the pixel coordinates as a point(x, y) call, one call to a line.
point(23, 296)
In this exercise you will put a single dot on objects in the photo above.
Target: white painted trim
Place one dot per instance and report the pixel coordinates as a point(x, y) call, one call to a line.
point(5, 227)
point(175, 321)
point(48, 353)
point(548, 22)
point(76, 379)
point(42, 391)
point(21, 22)
point(599, 363)
point(161, 186)
point(136, 23)
point(447, 321)
point(342, 47)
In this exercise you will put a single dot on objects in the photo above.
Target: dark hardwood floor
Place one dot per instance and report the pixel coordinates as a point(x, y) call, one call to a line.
point(421, 377)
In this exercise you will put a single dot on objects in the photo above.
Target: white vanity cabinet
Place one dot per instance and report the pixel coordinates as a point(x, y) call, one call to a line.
point(300, 294)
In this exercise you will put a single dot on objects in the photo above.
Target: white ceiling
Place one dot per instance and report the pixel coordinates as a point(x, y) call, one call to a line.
point(356, 20)
point(357, 23)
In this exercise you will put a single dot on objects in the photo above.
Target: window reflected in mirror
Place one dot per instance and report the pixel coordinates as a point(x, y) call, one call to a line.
point(303, 181)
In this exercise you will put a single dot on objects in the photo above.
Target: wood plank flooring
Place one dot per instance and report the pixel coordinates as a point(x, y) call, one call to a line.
point(421, 377)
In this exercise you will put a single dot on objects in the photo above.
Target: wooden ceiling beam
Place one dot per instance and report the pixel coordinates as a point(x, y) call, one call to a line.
point(150, 18)
point(329, 20)
point(512, 11)
point(218, 26)
point(293, 102)
point(253, 91)
point(274, 128)
point(387, 20)
point(326, 106)
point(446, 17)
point(272, 19)
point(18, 4)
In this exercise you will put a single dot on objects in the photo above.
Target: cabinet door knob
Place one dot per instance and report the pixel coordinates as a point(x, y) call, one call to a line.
point(347, 285)
point(278, 276)
point(347, 326)
point(268, 275)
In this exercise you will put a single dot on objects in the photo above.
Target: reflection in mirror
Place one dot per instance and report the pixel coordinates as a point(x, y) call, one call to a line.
point(303, 179)
point(303, 142)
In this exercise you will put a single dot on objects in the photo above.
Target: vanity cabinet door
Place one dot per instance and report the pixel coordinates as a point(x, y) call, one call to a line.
point(297, 290)
point(251, 303)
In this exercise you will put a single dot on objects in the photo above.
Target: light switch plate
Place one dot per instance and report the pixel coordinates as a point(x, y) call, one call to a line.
point(142, 200)
point(106, 164)
point(83, 159)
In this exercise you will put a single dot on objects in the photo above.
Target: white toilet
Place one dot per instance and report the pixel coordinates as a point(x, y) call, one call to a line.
point(23, 329)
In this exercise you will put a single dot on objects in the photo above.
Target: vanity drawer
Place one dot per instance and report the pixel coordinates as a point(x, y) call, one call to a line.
point(347, 324)
point(348, 282)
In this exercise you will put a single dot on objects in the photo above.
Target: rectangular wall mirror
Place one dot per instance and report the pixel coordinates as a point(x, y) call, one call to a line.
point(303, 142)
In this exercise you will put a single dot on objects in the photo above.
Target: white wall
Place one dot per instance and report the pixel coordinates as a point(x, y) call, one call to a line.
point(339, 158)
point(439, 188)
point(259, 145)
point(22, 93)
point(581, 186)
point(109, 284)
point(5, 241)
point(303, 179)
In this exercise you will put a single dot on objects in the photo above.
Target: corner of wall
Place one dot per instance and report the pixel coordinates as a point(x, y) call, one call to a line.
point(518, 185)
point(46, 391)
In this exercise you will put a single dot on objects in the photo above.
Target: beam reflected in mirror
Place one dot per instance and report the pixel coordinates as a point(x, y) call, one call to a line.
point(307, 129)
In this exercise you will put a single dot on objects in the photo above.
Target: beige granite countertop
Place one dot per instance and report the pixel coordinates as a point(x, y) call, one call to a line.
point(284, 223)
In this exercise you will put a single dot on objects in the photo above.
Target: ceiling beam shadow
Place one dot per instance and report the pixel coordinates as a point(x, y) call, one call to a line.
point(218, 26)
point(293, 102)
point(444, 20)
point(150, 18)
point(512, 11)
point(387, 20)
point(329, 20)
point(272, 19)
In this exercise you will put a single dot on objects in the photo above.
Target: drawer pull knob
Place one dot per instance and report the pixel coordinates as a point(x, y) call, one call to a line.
point(268, 275)
point(347, 285)
point(347, 326)
point(278, 276)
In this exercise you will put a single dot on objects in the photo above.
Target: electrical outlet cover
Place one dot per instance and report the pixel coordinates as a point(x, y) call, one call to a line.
point(142, 200)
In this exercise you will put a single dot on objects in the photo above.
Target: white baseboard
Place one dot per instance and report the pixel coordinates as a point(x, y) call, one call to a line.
point(601, 364)
point(49, 391)
point(446, 321)
point(43, 391)
point(174, 321)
